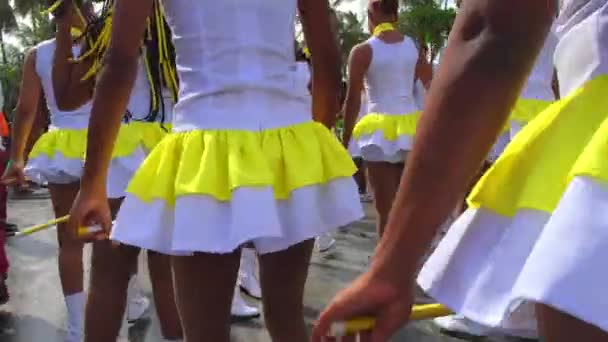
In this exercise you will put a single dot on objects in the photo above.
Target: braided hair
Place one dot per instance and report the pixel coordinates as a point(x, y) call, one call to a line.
point(157, 54)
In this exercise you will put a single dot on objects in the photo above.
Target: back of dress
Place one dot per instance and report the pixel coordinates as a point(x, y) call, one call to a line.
point(233, 80)
point(389, 80)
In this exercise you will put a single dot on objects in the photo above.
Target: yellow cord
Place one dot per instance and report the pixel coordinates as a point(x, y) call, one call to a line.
point(384, 27)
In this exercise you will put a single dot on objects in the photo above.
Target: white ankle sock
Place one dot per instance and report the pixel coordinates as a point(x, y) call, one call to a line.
point(75, 305)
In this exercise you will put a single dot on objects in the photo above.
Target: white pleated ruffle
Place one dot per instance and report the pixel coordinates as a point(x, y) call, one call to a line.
point(121, 172)
point(201, 223)
point(375, 148)
point(56, 170)
point(492, 269)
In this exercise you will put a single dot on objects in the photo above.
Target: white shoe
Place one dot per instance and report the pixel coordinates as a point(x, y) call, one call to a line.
point(138, 304)
point(248, 281)
point(460, 325)
point(240, 310)
point(325, 243)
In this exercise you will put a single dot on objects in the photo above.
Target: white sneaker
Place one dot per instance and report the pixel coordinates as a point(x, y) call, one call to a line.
point(460, 325)
point(325, 243)
point(240, 310)
point(137, 304)
point(137, 308)
point(248, 280)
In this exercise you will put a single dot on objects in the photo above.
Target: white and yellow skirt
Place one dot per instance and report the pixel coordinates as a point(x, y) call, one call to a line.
point(214, 190)
point(525, 110)
point(385, 137)
point(58, 157)
point(537, 230)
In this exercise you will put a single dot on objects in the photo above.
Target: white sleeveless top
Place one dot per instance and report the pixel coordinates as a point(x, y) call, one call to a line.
point(539, 85)
point(236, 64)
point(76, 119)
point(582, 52)
point(389, 80)
point(303, 76)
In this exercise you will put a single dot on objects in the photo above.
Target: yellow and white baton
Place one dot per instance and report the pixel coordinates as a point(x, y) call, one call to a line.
point(41, 227)
point(361, 324)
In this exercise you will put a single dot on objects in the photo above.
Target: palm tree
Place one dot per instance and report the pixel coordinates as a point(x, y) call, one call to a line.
point(428, 22)
point(8, 23)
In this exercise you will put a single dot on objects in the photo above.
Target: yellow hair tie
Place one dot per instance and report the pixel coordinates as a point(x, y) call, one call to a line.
point(384, 27)
point(53, 7)
point(306, 52)
point(76, 32)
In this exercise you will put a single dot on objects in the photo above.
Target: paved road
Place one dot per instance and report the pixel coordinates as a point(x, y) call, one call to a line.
point(36, 312)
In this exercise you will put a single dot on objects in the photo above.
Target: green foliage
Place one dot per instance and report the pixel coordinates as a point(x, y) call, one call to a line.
point(350, 33)
point(427, 22)
point(32, 29)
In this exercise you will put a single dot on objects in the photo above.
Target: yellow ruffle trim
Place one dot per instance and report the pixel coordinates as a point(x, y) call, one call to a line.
point(216, 162)
point(72, 143)
point(391, 126)
point(151, 132)
point(568, 139)
point(527, 109)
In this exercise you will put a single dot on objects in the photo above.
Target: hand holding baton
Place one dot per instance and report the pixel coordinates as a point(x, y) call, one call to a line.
point(362, 324)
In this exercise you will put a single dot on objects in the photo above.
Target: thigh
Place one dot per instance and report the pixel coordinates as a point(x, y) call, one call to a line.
point(62, 197)
point(204, 287)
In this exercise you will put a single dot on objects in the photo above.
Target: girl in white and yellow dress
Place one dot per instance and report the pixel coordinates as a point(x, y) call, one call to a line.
point(534, 242)
point(145, 120)
point(245, 162)
point(389, 65)
point(57, 158)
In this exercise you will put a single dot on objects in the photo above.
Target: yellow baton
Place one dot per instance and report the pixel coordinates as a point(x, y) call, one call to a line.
point(361, 324)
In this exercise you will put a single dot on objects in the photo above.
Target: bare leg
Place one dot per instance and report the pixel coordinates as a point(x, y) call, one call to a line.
point(70, 249)
point(556, 326)
point(360, 176)
point(283, 276)
point(384, 179)
point(204, 287)
point(111, 269)
point(71, 271)
point(162, 287)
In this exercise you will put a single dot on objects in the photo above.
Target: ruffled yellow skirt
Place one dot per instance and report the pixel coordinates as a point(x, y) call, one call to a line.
point(527, 109)
point(385, 137)
point(151, 133)
point(58, 157)
point(537, 229)
point(213, 190)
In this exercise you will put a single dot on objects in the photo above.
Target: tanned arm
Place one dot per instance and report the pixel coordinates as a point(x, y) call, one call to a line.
point(115, 82)
point(487, 60)
point(359, 61)
point(325, 60)
point(27, 108)
point(424, 70)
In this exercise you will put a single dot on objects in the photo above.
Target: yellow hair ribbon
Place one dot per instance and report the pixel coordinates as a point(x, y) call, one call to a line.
point(149, 75)
point(53, 7)
point(75, 32)
point(384, 27)
point(306, 52)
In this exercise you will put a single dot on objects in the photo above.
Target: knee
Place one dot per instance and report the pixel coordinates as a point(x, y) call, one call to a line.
point(113, 264)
